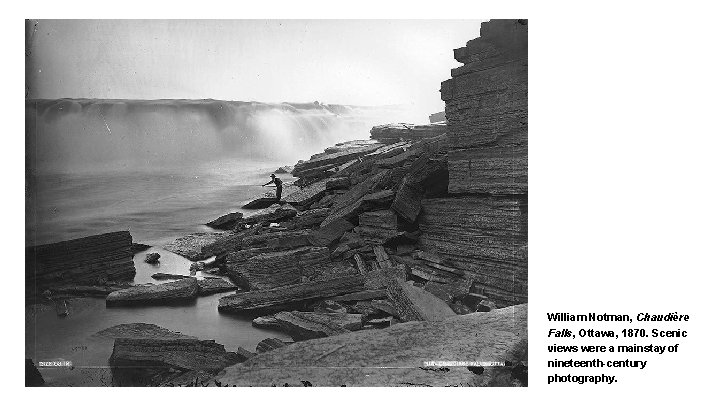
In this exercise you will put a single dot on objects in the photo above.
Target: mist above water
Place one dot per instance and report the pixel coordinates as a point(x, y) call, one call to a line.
point(79, 135)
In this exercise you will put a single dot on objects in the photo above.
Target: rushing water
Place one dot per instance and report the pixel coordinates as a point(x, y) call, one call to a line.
point(160, 169)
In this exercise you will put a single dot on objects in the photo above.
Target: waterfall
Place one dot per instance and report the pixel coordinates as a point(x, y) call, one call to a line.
point(76, 135)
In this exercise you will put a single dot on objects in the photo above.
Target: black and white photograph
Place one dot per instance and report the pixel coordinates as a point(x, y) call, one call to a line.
point(327, 202)
point(276, 202)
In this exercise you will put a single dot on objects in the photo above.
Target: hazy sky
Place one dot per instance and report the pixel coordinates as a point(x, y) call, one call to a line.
point(367, 62)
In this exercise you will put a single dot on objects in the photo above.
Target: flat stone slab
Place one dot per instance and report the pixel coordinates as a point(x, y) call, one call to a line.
point(393, 356)
point(191, 246)
point(280, 296)
point(310, 325)
point(209, 286)
point(176, 291)
point(307, 195)
point(226, 222)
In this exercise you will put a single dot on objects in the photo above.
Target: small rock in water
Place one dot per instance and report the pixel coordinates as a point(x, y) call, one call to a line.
point(152, 258)
point(195, 267)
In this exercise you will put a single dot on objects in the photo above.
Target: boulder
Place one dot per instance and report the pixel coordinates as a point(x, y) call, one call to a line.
point(152, 258)
point(192, 246)
point(93, 260)
point(262, 300)
point(415, 304)
point(310, 325)
point(176, 291)
point(390, 356)
point(209, 286)
point(226, 222)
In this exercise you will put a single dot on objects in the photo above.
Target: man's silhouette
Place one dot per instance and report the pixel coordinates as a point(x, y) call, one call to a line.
point(278, 186)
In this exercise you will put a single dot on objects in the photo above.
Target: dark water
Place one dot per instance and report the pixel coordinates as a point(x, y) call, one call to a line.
point(156, 207)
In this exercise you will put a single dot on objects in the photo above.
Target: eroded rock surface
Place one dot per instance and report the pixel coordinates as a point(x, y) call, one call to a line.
point(392, 356)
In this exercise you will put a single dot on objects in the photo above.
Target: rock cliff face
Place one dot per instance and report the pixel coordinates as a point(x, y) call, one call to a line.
point(94, 260)
point(484, 226)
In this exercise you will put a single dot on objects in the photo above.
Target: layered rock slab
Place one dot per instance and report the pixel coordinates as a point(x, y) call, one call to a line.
point(167, 293)
point(391, 133)
point(392, 356)
point(277, 269)
point(264, 300)
point(310, 325)
point(194, 246)
point(93, 260)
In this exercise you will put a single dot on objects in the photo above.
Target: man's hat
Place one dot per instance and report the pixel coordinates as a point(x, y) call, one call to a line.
point(272, 175)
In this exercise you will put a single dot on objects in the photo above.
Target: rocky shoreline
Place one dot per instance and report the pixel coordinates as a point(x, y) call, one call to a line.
point(406, 248)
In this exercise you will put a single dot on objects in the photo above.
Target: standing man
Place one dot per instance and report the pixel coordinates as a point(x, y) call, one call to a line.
point(278, 185)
